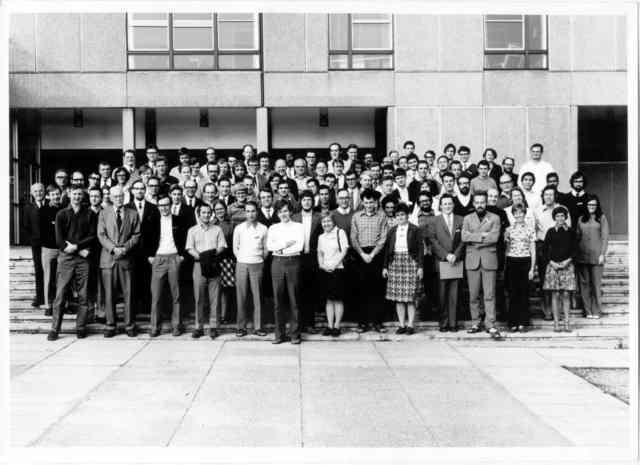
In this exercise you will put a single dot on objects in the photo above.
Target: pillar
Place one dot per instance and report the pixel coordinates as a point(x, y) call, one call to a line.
point(128, 129)
point(392, 120)
point(262, 129)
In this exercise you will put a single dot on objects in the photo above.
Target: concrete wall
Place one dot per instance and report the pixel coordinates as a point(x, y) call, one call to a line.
point(299, 128)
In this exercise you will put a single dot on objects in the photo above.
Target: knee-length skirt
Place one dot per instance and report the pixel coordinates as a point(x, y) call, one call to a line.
point(560, 280)
point(403, 283)
point(333, 284)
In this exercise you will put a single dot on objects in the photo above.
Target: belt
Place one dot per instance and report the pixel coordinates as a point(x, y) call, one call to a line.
point(166, 254)
point(286, 256)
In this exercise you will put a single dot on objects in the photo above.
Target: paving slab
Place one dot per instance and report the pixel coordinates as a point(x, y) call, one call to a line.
point(96, 352)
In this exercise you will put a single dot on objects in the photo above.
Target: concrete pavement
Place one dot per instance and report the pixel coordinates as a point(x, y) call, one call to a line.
point(181, 392)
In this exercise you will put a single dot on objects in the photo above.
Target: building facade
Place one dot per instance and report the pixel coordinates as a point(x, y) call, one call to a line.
point(83, 87)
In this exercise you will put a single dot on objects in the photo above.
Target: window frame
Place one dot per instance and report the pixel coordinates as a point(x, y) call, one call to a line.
point(350, 51)
point(215, 51)
point(524, 51)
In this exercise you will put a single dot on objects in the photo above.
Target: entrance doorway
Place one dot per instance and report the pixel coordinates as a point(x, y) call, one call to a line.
point(602, 157)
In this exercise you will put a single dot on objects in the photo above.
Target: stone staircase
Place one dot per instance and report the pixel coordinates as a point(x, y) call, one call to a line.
point(613, 325)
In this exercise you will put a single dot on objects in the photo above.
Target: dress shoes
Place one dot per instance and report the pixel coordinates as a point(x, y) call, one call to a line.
point(261, 333)
point(176, 332)
point(52, 336)
point(213, 333)
point(81, 334)
point(154, 333)
point(109, 333)
point(241, 333)
point(410, 330)
point(133, 332)
point(197, 333)
point(443, 329)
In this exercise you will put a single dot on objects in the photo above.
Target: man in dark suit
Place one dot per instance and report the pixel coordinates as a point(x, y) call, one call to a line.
point(167, 240)
point(118, 233)
point(480, 233)
point(179, 208)
point(190, 190)
point(31, 225)
point(462, 202)
point(444, 233)
point(224, 191)
point(50, 251)
point(470, 169)
point(280, 167)
point(162, 172)
point(311, 223)
point(149, 216)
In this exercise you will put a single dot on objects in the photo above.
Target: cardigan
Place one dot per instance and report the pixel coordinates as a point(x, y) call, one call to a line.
point(415, 244)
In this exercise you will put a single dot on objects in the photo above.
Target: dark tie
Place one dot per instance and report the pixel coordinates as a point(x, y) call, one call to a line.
point(119, 218)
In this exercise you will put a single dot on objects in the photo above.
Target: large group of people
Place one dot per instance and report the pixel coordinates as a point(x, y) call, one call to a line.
point(361, 235)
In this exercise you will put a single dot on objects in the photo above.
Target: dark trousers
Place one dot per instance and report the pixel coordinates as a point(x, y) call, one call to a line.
point(517, 269)
point(309, 282)
point(285, 273)
point(590, 280)
point(370, 288)
point(119, 274)
point(249, 282)
point(72, 270)
point(96, 286)
point(541, 264)
point(431, 285)
point(142, 284)
point(206, 289)
point(448, 292)
point(36, 252)
point(165, 268)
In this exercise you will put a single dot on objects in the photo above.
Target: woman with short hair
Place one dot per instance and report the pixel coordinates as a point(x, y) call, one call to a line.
point(227, 261)
point(403, 260)
point(332, 249)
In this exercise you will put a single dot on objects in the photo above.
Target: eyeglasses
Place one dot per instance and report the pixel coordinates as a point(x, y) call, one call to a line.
point(153, 185)
point(95, 178)
point(164, 205)
point(78, 179)
point(61, 176)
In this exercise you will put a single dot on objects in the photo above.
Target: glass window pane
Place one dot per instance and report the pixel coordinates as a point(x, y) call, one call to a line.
point(237, 36)
point(372, 36)
point(192, 38)
point(238, 61)
point(538, 61)
point(148, 16)
point(148, 62)
point(363, 17)
point(504, 35)
point(148, 38)
point(338, 61)
point(236, 17)
point(372, 61)
point(503, 17)
point(535, 31)
point(193, 61)
point(338, 31)
point(177, 17)
point(503, 61)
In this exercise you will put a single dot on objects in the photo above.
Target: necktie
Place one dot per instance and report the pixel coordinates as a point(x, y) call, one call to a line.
point(119, 218)
point(449, 225)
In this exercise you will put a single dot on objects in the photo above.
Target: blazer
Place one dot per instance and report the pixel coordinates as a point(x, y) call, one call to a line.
point(110, 236)
point(415, 244)
point(414, 189)
point(187, 215)
point(31, 223)
point(442, 242)
point(316, 229)
point(481, 252)
point(179, 231)
point(150, 220)
point(471, 170)
point(495, 172)
point(198, 202)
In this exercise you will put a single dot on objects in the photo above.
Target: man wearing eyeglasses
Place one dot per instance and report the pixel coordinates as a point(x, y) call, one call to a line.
point(506, 186)
point(118, 233)
point(104, 168)
point(149, 217)
point(353, 189)
point(61, 179)
point(153, 190)
point(168, 242)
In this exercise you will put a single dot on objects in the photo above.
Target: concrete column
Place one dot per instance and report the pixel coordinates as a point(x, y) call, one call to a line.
point(392, 133)
point(262, 129)
point(128, 129)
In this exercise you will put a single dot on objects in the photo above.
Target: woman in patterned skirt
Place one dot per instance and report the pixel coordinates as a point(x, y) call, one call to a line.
point(560, 278)
point(227, 262)
point(403, 258)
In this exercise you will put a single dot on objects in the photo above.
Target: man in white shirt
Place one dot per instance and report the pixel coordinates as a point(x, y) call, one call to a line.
point(334, 155)
point(286, 240)
point(205, 241)
point(300, 173)
point(250, 249)
point(211, 157)
point(352, 157)
point(537, 166)
point(448, 187)
point(168, 243)
point(183, 160)
point(400, 176)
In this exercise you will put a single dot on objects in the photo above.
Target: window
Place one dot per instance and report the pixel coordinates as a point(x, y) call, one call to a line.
point(515, 42)
point(360, 41)
point(193, 41)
